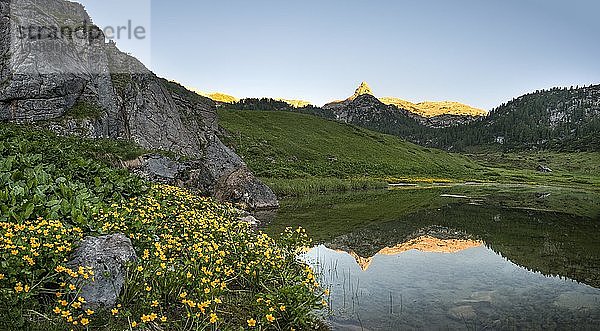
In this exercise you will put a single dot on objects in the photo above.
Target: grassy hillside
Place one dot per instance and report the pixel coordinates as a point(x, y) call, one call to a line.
point(288, 145)
point(569, 170)
point(297, 154)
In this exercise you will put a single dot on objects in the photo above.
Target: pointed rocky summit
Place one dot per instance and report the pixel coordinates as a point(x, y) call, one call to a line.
point(363, 89)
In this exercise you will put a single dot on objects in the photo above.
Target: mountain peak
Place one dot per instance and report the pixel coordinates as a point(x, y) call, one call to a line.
point(362, 90)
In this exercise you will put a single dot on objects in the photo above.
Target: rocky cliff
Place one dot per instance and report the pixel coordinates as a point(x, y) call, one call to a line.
point(76, 83)
point(363, 89)
point(368, 112)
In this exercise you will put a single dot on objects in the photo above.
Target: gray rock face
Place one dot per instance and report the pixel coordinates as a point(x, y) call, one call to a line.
point(368, 111)
point(158, 168)
point(42, 83)
point(238, 183)
point(445, 121)
point(107, 256)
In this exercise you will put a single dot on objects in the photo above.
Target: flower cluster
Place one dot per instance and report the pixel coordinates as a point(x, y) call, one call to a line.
point(33, 255)
point(196, 258)
point(198, 268)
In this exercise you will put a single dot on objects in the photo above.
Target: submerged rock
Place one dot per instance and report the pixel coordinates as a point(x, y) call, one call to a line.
point(107, 256)
point(462, 313)
point(576, 301)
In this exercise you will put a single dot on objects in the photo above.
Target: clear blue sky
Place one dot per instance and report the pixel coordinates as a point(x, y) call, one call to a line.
point(479, 52)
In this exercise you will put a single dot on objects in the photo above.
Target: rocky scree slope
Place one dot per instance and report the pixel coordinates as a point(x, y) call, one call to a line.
point(88, 87)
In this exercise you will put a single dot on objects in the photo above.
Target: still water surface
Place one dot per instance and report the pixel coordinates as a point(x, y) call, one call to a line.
point(490, 258)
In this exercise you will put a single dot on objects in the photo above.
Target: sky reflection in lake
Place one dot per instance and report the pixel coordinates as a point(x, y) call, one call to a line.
point(468, 289)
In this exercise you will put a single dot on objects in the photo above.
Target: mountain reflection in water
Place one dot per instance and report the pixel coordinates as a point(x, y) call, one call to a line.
point(416, 260)
point(426, 244)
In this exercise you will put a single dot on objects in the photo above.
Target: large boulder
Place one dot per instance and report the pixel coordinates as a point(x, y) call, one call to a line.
point(235, 187)
point(108, 257)
point(238, 185)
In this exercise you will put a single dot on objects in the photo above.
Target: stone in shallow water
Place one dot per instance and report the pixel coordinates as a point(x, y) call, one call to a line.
point(482, 296)
point(346, 327)
point(462, 312)
point(577, 301)
point(107, 256)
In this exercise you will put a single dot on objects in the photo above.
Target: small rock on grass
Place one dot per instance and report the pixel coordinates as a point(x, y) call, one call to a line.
point(108, 257)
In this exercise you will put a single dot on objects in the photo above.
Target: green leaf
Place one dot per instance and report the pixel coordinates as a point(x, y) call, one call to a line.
point(28, 211)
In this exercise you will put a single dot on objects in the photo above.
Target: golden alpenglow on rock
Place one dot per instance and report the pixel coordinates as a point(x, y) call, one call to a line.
point(430, 109)
point(402, 104)
point(220, 97)
point(226, 98)
point(295, 103)
point(425, 109)
point(434, 108)
point(426, 244)
point(363, 89)
point(216, 96)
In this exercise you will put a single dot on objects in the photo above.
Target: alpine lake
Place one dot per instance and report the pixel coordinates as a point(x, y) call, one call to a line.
point(454, 257)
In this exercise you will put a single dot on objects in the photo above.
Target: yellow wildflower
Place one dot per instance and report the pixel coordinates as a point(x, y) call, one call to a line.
point(19, 287)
